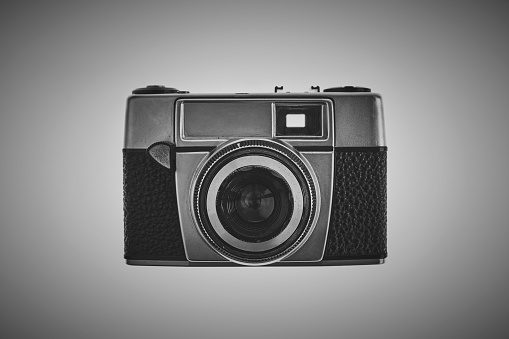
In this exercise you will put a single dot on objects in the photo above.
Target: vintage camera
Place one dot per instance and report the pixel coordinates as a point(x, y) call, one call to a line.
point(255, 179)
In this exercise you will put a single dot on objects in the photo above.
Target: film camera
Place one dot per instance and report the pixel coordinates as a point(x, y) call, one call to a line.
point(255, 179)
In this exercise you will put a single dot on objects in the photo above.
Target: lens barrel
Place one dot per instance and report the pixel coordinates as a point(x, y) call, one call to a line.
point(255, 201)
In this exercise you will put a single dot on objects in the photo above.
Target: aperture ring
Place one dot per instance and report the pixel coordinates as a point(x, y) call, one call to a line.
point(275, 153)
point(264, 245)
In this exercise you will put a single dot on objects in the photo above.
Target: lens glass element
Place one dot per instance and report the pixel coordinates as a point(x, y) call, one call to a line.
point(254, 204)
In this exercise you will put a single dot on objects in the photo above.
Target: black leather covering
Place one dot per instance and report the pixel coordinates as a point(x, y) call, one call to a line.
point(151, 221)
point(358, 224)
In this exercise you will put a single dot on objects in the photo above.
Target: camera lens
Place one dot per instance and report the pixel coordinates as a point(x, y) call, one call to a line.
point(254, 204)
point(254, 201)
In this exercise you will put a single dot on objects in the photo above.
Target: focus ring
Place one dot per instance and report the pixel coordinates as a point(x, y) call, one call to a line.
point(256, 149)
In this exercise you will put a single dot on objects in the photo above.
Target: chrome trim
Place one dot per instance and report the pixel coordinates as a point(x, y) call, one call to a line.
point(232, 264)
point(354, 119)
point(301, 241)
point(327, 123)
point(359, 120)
point(314, 248)
point(325, 135)
point(264, 162)
point(149, 119)
point(156, 262)
point(195, 246)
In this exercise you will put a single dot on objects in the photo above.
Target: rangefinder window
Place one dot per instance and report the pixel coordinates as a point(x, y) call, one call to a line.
point(225, 119)
point(299, 120)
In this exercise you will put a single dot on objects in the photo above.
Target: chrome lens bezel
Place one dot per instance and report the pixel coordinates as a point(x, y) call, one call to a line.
point(257, 161)
point(302, 175)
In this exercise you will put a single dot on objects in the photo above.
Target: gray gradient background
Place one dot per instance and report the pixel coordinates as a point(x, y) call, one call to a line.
point(66, 70)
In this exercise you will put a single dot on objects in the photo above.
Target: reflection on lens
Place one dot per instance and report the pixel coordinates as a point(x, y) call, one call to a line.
point(254, 204)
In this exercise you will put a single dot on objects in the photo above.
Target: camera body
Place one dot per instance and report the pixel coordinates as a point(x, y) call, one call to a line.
point(255, 179)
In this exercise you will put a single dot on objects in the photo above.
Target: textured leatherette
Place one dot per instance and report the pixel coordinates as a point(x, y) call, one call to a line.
point(151, 221)
point(358, 223)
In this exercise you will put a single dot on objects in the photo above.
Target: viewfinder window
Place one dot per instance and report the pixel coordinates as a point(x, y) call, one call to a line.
point(298, 120)
point(295, 120)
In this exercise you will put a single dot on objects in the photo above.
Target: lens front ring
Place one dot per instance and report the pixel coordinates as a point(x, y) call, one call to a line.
point(264, 162)
point(282, 156)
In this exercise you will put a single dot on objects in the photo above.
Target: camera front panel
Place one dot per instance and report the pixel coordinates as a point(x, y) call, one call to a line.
point(254, 198)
